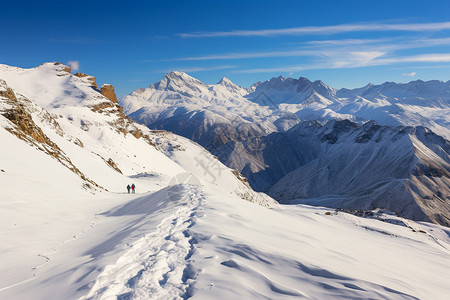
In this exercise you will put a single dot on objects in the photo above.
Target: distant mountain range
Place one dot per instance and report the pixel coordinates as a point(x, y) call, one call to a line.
point(305, 142)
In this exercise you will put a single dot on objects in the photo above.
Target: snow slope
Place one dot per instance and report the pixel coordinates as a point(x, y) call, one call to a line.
point(209, 249)
point(68, 152)
point(69, 230)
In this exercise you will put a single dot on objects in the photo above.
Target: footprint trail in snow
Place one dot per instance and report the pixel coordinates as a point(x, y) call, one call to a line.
point(158, 265)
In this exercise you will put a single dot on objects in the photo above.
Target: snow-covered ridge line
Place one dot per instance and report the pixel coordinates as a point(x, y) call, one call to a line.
point(389, 125)
point(78, 109)
point(424, 103)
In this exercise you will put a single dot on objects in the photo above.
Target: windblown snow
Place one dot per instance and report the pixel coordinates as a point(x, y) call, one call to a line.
point(193, 229)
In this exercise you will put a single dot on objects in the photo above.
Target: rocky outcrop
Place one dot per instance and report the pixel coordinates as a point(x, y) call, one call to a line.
point(67, 69)
point(6, 91)
point(90, 79)
point(113, 165)
point(14, 108)
point(107, 90)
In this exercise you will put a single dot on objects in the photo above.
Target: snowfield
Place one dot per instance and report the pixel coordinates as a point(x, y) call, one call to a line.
point(193, 229)
point(198, 242)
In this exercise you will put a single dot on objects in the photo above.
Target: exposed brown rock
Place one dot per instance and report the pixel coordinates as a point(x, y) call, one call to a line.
point(107, 90)
point(90, 78)
point(79, 143)
point(240, 177)
point(136, 133)
point(67, 69)
point(102, 107)
point(8, 92)
point(122, 123)
point(113, 165)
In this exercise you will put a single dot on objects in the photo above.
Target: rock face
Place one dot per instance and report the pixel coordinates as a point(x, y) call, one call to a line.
point(90, 79)
point(6, 91)
point(107, 90)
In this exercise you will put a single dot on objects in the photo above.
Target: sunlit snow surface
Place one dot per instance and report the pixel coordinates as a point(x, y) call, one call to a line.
point(187, 232)
point(202, 243)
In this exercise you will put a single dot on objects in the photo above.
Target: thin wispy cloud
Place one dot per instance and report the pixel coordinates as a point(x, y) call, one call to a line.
point(356, 60)
point(445, 66)
point(327, 48)
point(197, 69)
point(229, 56)
point(400, 44)
point(430, 58)
point(335, 29)
point(347, 42)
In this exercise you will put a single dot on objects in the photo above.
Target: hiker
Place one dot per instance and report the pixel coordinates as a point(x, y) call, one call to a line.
point(133, 187)
point(128, 188)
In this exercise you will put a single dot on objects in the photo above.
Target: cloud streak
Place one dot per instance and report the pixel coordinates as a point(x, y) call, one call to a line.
point(228, 56)
point(357, 60)
point(335, 29)
point(327, 48)
point(197, 69)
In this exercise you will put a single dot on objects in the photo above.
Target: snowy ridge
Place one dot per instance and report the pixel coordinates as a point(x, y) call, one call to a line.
point(250, 141)
point(416, 103)
point(293, 91)
point(73, 150)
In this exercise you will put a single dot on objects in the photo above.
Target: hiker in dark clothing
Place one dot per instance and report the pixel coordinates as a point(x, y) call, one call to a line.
point(128, 188)
point(133, 188)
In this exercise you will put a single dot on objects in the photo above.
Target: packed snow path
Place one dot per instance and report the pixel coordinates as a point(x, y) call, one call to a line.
point(157, 266)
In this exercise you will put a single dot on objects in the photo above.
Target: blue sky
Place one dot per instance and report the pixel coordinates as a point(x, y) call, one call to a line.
point(132, 44)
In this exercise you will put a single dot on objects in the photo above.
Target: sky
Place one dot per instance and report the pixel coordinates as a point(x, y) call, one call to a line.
point(132, 44)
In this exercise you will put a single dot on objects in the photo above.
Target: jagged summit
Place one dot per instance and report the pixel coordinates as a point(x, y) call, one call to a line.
point(225, 81)
point(177, 74)
point(231, 87)
point(302, 99)
point(294, 91)
point(176, 81)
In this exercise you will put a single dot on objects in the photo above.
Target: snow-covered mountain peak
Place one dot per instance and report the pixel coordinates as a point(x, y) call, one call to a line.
point(303, 81)
point(178, 74)
point(225, 81)
point(231, 87)
point(323, 89)
point(181, 82)
point(294, 91)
